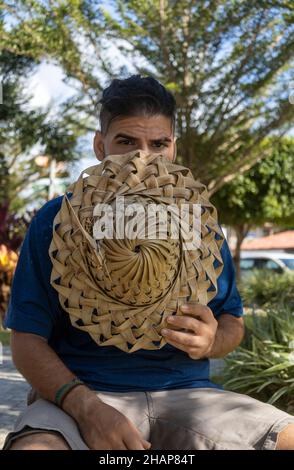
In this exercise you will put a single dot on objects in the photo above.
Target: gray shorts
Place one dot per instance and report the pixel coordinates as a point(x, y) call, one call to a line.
point(197, 418)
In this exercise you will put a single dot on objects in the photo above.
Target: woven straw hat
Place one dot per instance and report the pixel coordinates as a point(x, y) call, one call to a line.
point(121, 289)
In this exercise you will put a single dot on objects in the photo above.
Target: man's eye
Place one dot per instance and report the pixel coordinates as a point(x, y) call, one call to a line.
point(160, 144)
point(126, 141)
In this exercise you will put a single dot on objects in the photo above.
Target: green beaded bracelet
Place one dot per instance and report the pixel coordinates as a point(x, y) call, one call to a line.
point(65, 389)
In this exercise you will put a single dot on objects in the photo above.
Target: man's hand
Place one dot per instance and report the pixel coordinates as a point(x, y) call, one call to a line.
point(198, 341)
point(203, 335)
point(102, 426)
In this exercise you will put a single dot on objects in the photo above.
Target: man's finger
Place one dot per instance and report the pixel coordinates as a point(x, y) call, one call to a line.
point(195, 351)
point(183, 338)
point(134, 443)
point(146, 444)
point(202, 312)
point(122, 446)
point(185, 322)
point(176, 345)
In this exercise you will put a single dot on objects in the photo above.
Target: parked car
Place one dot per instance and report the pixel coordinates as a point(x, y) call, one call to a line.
point(275, 261)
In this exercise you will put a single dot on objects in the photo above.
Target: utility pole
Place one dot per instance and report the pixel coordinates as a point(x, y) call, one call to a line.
point(45, 161)
point(52, 176)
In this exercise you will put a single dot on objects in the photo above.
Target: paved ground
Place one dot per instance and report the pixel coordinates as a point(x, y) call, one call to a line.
point(13, 392)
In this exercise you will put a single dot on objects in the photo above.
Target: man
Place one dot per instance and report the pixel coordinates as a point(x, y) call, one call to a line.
point(162, 398)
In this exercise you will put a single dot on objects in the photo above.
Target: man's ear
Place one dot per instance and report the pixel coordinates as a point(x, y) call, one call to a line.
point(98, 146)
point(175, 149)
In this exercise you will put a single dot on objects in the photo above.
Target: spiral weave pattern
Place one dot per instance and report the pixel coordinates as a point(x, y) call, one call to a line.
point(121, 289)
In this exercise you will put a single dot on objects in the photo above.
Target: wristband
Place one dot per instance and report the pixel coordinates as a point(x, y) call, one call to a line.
point(65, 389)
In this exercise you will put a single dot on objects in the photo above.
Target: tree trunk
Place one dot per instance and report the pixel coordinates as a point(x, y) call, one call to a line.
point(241, 232)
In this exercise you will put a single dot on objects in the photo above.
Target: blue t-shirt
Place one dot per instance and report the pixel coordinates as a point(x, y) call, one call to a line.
point(34, 307)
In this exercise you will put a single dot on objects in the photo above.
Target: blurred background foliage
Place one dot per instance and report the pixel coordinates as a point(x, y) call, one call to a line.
point(263, 365)
point(227, 62)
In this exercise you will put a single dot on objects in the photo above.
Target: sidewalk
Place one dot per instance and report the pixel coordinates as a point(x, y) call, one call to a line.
point(13, 392)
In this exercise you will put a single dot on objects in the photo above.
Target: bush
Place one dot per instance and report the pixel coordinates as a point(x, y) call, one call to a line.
point(8, 260)
point(263, 365)
point(265, 288)
point(12, 232)
point(4, 337)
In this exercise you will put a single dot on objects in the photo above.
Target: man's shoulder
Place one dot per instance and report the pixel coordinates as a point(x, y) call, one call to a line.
point(43, 220)
point(48, 211)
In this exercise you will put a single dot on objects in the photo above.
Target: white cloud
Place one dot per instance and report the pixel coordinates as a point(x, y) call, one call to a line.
point(46, 86)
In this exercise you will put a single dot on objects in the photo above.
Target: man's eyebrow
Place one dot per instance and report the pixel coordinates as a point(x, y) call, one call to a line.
point(125, 136)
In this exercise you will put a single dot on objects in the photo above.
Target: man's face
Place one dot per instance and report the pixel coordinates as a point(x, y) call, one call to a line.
point(153, 134)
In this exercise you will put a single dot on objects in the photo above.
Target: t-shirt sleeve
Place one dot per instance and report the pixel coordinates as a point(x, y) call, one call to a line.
point(29, 308)
point(228, 299)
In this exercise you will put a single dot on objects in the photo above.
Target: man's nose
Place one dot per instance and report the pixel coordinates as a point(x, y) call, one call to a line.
point(143, 146)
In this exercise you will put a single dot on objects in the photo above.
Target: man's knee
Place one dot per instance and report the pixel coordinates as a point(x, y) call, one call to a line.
point(286, 438)
point(40, 441)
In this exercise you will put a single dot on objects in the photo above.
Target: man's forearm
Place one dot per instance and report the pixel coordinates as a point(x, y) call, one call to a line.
point(101, 426)
point(45, 371)
point(229, 335)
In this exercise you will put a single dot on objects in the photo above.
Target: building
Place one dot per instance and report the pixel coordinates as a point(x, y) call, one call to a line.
point(282, 241)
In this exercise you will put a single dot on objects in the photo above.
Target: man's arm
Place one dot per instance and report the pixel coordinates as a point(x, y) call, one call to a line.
point(201, 335)
point(39, 364)
point(102, 426)
point(229, 334)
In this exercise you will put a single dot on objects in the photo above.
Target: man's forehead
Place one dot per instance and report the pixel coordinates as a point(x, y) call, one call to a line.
point(156, 127)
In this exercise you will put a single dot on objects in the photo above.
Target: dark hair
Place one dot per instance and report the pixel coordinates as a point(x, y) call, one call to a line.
point(135, 96)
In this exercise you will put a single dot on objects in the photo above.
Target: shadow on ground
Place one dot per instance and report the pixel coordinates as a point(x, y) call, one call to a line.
point(13, 393)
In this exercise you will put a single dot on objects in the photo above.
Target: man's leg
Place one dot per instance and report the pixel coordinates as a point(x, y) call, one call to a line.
point(212, 419)
point(40, 441)
point(286, 438)
point(44, 426)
